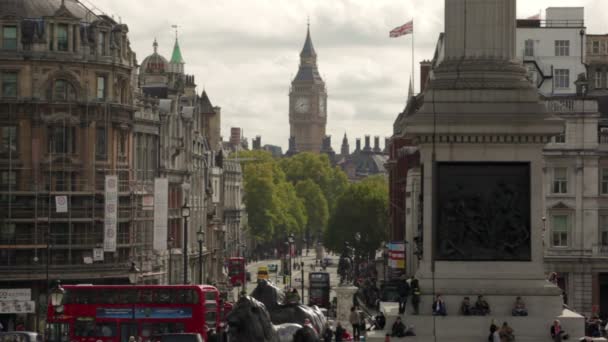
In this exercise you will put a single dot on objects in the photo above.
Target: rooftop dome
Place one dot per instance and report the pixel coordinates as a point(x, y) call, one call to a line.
point(155, 63)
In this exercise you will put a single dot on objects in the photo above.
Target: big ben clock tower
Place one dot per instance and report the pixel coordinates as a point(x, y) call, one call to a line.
point(308, 102)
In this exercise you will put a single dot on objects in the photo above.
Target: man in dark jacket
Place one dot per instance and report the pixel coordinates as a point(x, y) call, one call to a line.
point(404, 291)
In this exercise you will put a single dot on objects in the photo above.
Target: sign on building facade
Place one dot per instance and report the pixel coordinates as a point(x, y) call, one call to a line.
point(16, 301)
point(161, 208)
point(111, 215)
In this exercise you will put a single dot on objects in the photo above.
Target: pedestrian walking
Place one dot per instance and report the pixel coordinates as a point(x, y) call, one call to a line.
point(415, 290)
point(404, 291)
point(354, 319)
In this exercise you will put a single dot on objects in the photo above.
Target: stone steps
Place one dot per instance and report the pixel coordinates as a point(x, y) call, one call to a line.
point(476, 328)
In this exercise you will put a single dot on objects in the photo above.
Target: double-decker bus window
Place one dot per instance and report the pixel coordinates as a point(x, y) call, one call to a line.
point(58, 332)
point(84, 328)
point(210, 296)
point(147, 296)
point(211, 317)
point(185, 296)
point(149, 329)
point(90, 328)
point(125, 297)
point(105, 329)
point(163, 296)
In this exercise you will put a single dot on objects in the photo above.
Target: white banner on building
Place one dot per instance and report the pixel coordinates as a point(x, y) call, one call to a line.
point(161, 208)
point(17, 307)
point(61, 203)
point(15, 294)
point(111, 217)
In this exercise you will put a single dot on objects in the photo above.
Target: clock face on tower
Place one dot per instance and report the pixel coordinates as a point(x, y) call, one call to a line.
point(302, 105)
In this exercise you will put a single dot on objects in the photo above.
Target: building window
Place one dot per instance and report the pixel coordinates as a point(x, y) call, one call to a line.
point(603, 229)
point(562, 78)
point(560, 180)
point(101, 143)
point(62, 139)
point(560, 138)
point(598, 78)
point(62, 37)
point(9, 84)
point(604, 187)
point(122, 143)
point(529, 48)
point(8, 134)
point(63, 91)
point(560, 231)
point(101, 43)
point(9, 37)
point(8, 180)
point(101, 87)
point(562, 48)
point(596, 47)
point(51, 37)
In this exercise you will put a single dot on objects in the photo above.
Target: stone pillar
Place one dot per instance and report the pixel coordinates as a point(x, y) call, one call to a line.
point(344, 295)
point(480, 29)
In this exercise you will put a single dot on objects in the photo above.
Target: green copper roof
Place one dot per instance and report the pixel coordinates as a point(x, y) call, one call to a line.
point(176, 57)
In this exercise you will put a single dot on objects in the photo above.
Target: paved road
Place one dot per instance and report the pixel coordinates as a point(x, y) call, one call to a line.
point(297, 274)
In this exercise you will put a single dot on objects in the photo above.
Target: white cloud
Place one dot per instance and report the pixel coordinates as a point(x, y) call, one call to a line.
point(245, 53)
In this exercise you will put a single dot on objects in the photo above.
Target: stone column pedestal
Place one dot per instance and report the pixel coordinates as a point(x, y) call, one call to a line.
point(344, 295)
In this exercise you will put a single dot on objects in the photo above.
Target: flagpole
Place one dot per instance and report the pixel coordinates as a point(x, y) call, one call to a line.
point(413, 79)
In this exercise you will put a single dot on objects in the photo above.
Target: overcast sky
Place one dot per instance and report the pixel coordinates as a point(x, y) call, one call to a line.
point(246, 52)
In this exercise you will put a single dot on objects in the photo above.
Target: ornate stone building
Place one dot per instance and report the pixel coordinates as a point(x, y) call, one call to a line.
point(308, 102)
point(363, 161)
point(66, 122)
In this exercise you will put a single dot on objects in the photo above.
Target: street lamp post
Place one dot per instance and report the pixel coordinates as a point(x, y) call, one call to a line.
point(201, 236)
point(385, 259)
point(56, 296)
point(302, 269)
point(185, 215)
point(133, 277)
point(170, 245)
point(290, 240)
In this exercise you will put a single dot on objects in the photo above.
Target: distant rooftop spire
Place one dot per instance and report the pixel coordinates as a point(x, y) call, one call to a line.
point(308, 50)
point(155, 45)
point(176, 56)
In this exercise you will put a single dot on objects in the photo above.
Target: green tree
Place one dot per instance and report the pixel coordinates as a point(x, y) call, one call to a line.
point(317, 168)
point(260, 201)
point(316, 207)
point(362, 208)
point(292, 212)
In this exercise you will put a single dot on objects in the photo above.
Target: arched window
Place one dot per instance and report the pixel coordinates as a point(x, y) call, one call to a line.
point(63, 91)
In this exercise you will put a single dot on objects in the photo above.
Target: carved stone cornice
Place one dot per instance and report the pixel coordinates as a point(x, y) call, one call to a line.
point(482, 139)
point(480, 73)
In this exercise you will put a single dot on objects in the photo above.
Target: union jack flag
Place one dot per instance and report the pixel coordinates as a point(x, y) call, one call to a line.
point(403, 29)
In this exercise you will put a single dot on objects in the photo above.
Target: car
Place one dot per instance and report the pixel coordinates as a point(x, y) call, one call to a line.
point(327, 261)
point(21, 336)
point(272, 268)
point(181, 337)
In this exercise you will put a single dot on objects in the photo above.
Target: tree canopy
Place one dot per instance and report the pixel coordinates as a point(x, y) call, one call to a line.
point(362, 208)
point(315, 205)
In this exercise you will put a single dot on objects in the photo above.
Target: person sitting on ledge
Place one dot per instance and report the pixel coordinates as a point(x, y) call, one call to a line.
point(519, 309)
point(439, 308)
point(482, 307)
point(465, 307)
point(380, 321)
point(398, 329)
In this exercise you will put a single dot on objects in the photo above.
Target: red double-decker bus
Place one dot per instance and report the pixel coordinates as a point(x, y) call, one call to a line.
point(236, 271)
point(113, 313)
